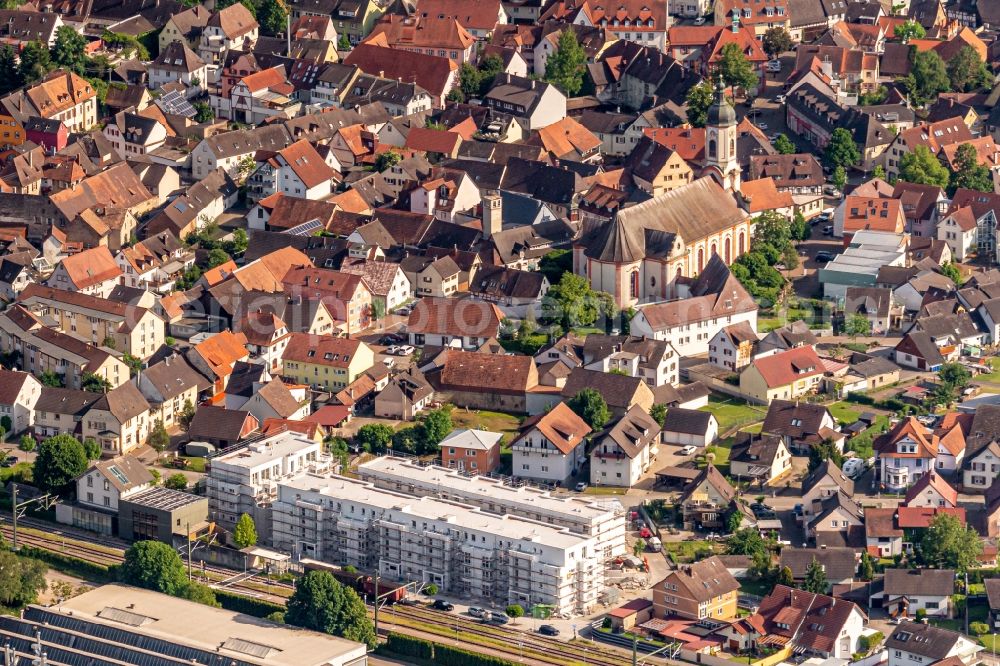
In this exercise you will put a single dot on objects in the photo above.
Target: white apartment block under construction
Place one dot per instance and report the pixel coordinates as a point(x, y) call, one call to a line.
point(603, 519)
point(246, 479)
point(462, 549)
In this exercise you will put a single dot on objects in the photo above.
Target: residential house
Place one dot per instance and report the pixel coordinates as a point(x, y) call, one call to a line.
point(761, 458)
point(982, 455)
point(19, 393)
point(177, 62)
point(119, 421)
point(132, 134)
point(715, 300)
point(221, 427)
point(60, 411)
point(93, 272)
point(534, 104)
point(267, 337)
point(654, 361)
point(551, 446)
point(295, 171)
point(386, 280)
point(62, 96)
point(931, 490)
point(837, 521)
point(689, 427)
point(406, 394)
point(169, 387)
point(622, 452)
point(960, 230)
point(345, 295)
point(107, 481)
point(883, 537)
point(656, 169)
point(43, 349)
point(918, 643)
point(761, 18)
point(786, 375)
point(733, 346)
point(704, 590)
point(817, 623)
point(452, 322)
point(707, 501)
point(186, 25)
point(471, 451)
point(839, 564)
point(275, 400)
point(904, 454)
point(215, 357)
point(906, 591)
point(131, 329)
point(325, 361)
point(228, 29)
point(620, 391)
point(431, 34)
point(802, 425)
point(825, 481)
point(228, 150)
point(155, 263)
point(434, 74)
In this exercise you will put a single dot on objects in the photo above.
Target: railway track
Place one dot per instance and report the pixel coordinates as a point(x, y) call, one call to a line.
point(511, 642)
point(597, 655)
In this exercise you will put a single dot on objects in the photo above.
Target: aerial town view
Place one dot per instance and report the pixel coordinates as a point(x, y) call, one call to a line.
point(499, 332)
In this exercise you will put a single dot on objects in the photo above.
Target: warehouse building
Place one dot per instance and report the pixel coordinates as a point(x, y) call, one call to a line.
point(128, 625)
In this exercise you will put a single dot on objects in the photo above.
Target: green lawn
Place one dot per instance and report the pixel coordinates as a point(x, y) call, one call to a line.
point(687, 551)
point(756, 586)
point(844, 412)
point(731, 412)
point(195, 464)
point(754, 429)
point(484, 420)
point(991, 377)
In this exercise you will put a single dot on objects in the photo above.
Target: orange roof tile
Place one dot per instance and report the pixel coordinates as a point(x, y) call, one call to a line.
point(91, 267)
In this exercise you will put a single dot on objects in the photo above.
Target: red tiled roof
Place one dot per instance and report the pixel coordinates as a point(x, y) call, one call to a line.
point(789, 366)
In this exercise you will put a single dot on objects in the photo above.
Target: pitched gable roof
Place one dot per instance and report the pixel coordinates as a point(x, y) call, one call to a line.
point(560, 425)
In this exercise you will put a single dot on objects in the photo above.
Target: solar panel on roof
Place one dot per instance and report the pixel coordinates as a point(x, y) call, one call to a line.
point(305, 229)
point(175, 103)
point(118, 474)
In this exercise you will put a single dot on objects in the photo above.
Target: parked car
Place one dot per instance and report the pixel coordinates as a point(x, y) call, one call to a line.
point(853, 468)
point(442, 605)
point(687, 450)
point(762, 511)
point(495, 617)
point(580, 487)
point(389, 362)
point(700, 20)
point(831, 191)
point(475, 611)
point(774, 66)
point(390, 339)
point(828, 230)
point(548, 630)
point(645, 533)
point(780, 99)
point(392, 350)
point(409, 601)
point(405, 350)
point(762, 125)
point(823, 256)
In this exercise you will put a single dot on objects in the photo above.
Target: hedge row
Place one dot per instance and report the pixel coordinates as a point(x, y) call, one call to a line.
point(247, 605)
point(70, 565)
point(892, 404)
point(409, 646)
point(427, 652)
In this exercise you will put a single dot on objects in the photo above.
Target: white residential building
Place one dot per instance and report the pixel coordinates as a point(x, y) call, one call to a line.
point(551, 446)
point(622, 454)
point(914, 643)
point(245, 480)
point(603, 519)
point(19, 392)
point(465, 551)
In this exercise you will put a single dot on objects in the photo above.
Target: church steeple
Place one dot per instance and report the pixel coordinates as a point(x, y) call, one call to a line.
point(720, 141)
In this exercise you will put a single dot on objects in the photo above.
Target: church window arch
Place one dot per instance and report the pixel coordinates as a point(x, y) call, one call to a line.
point(727, 245)
point(711, 148)
point(634, 284)
point(742, 247)
point(701, 259)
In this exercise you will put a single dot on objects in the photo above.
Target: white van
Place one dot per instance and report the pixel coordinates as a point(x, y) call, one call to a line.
point(653, 544)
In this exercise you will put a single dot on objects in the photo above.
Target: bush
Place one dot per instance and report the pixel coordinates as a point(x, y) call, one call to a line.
point(70, 565)
point(860, 398)
point(921, 614)
point(979, 628)
point(431, 590)
point(869, 643)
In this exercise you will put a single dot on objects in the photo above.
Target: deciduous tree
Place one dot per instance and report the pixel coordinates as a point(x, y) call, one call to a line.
point(815, 580)
point(322, 604)
point(777, 40)
point(948, 544)
point(21, 579)
point(922, 167)
point(841, 151)
point(969, 173)
point(155, 566)
point(967, 71)
point(567, 65)
point(784, 145)
point(590, 406)
point(735, 68)
point(698, 99)
point(245, 532)
point(60, 460)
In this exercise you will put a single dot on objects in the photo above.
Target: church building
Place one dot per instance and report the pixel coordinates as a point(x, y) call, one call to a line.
point(638, 256)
